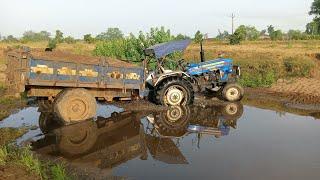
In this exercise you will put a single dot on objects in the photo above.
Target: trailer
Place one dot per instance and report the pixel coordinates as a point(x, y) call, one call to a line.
point(71, 84)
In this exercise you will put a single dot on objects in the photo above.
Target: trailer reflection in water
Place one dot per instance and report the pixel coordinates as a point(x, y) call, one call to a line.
point(101, 145)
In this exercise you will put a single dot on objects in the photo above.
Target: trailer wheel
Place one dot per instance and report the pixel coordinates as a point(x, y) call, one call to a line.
point(77, 139)
point(232, 92)
point(174, 92)
point(74, 105)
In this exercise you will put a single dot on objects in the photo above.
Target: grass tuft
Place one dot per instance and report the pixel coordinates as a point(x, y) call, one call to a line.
point(27, 159)
point(58, 172)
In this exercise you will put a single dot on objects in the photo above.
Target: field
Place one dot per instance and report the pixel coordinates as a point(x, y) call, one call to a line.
point(281, 66)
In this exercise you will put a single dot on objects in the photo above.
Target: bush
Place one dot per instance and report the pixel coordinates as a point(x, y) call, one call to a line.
point(257, 80)
point(234, 39)
point(88, 38)
point(30, 36)
point(110, 34)
point(52, 44)
point(132, 48)
point(298, 67)
point(198, 37)
point(69, 40)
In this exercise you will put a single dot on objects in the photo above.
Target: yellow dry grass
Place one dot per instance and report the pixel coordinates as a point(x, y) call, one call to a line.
point(274, 49)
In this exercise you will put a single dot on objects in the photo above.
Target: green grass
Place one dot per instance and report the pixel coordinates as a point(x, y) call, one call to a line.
point(58, 172)
point(13, 155)
point(3, 155)
point(24, 157)
point(28, 160)
point(265, 71)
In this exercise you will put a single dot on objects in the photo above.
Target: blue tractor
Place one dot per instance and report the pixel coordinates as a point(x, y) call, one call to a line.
point(177, 87)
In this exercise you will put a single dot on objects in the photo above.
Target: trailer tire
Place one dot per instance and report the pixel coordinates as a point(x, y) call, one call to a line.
point(232, 92)
point(75, 105)
point(165, 93)
point(77, 139)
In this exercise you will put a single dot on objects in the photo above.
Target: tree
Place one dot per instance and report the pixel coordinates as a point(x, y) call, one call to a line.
point(181, 37)
point(88, 38)
point(69, 40)
point(296, 35)
point(313, 28)
point(234, 38)
point(263, 32)
point(274, 34)
point(52, 44)
point(315, 8)
point(59, 36)
point(223, 35)
point(10, 38)
point(247, 33)
point(198, 37)
point(110, 34)
point(35, 36)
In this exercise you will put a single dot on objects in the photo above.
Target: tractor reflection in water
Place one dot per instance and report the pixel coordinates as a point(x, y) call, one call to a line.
point(98, 146)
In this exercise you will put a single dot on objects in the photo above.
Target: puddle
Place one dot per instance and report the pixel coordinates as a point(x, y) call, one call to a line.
point(29, 118)
point(229, 141)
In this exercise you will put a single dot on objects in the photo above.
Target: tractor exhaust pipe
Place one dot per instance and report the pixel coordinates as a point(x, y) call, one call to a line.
point(202, 52)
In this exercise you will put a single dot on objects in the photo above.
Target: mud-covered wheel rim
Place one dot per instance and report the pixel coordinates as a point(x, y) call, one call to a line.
point(78, 109)
point(231, 109)
point(233, 94)
point(174, 113)
point(77, 139)
point(75, 105)
point(175, 95)
point(173, 122)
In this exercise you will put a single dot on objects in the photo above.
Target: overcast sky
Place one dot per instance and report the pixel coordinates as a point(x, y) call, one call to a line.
point(79, 17)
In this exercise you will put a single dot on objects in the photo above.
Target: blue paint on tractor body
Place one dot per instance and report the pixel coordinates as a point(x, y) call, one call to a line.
point(223, 65)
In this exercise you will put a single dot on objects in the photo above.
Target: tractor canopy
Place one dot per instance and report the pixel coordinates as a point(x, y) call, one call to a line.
point(164, 49)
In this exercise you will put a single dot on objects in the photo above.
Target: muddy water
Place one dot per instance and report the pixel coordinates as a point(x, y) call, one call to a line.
point(229, 141)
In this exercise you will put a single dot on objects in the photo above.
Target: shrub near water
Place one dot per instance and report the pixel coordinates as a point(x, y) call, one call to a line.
point(265, 72)
point(298, 67)
point(259, 73)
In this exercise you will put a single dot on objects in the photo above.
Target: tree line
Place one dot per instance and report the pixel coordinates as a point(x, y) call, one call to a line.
point(242, 33)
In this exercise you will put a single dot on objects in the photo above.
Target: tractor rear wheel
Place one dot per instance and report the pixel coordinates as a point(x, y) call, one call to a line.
point(232, 92)
point(174, 92)
point(75, 105)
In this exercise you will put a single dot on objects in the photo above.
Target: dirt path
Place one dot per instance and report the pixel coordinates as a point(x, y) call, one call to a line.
point(301, 90)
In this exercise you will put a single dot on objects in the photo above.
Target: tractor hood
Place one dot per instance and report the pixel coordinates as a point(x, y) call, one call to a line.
point(208, 66)
point(164, 49)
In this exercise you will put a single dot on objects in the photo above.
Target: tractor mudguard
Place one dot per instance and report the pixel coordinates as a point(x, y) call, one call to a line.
point(172, 74)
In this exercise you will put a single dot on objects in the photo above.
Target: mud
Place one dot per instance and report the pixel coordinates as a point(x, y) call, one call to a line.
point(10, 134)
point(9, 104)
point(13, 172)
point(300, 90)
point(58, 55)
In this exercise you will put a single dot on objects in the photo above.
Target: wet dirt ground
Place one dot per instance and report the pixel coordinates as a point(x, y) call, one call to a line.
point(255, 139)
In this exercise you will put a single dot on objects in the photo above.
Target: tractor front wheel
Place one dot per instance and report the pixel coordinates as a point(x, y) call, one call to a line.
point(232, 92)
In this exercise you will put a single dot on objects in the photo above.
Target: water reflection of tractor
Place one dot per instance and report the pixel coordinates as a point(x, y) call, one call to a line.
point(100, 145)
point(178, 121)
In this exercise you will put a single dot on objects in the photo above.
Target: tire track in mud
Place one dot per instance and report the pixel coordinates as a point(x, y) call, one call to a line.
point(300, 90)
